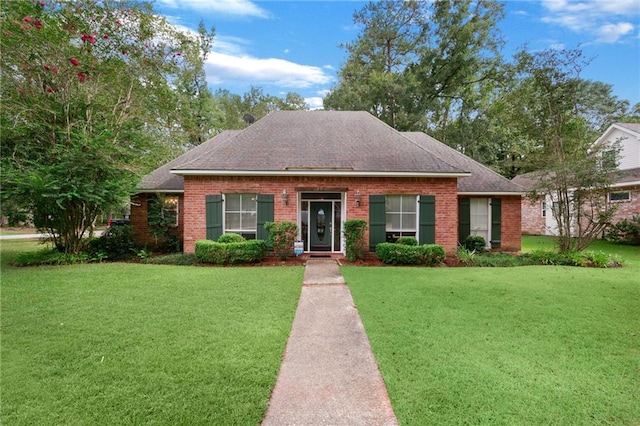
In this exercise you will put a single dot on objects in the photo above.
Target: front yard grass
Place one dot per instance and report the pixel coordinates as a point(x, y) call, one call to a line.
point(141, 344)
point(524, 345)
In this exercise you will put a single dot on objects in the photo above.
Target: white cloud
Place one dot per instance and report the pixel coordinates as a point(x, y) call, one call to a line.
point(230, 45)
point(224, 68)
point(314, 102)
point(607, 21)
point(222, 7)
point(610, 33)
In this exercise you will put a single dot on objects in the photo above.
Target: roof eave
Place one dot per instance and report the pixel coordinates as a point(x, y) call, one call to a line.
point(485, 193)
point(622, 184)
point(155, 191)
point(317, 173)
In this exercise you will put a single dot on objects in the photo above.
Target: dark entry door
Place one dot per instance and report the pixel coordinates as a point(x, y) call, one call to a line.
point(320, 226)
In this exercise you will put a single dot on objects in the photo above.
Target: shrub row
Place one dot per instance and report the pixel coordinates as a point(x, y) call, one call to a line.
point(49, 256)
point(627, 231)
point(208, 251)
point(539, 257)
point(402, 254)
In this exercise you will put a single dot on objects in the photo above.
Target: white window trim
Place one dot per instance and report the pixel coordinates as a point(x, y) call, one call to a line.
point(224, 214)
point(416, 212)
point(627, 192)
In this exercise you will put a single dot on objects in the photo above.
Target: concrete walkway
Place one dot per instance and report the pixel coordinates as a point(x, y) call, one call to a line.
point(329, 375)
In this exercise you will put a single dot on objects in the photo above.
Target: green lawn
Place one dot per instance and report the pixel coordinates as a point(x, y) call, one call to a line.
point(526, 345)
point(141, 344)
point(147, 344)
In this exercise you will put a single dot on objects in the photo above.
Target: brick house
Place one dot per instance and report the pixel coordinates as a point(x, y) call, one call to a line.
point(320, 168)
point(537, 217)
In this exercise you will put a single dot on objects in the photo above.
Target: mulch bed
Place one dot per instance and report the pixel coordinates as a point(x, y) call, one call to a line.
point(371, 261)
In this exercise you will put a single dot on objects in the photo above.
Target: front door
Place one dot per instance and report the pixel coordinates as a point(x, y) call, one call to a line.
point(321, 226)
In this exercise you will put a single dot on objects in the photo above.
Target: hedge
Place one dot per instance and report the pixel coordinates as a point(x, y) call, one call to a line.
point(401, 254)
point(251, 251)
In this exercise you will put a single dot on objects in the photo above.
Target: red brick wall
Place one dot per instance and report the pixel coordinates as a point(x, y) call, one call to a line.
point(139, 219)
point(626, 209)
point(197, 187)
point(511, 223)
point(534, 224)
point(192, 204)
point(532, 221)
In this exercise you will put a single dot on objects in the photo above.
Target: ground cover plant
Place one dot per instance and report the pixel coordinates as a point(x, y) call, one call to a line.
point(523, 345)
point(125, 343)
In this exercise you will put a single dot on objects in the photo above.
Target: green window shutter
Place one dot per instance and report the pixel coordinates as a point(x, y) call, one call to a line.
point(427, 230)
point(377, 221)
point(496, 222)
point(213, 216)
point(265, 214)
point(464, 219)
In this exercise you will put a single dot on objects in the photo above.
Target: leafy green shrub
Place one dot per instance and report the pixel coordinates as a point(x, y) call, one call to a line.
point(117, 243)
point(171, 244)
point(407, 241)
point(584, 259)
point(627, 231)
point(251, 251)
point(231, 237)
point(49, 256)
point(475, 243)
point(466, 257)
point(354, 239)
point(281, 238)
point(601, 259)
point(400, 254)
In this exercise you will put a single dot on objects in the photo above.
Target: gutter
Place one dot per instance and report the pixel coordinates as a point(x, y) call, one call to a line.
point(316, 173)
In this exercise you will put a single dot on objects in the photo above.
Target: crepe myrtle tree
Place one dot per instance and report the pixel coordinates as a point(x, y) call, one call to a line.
point(82, 87)
point(571, 169)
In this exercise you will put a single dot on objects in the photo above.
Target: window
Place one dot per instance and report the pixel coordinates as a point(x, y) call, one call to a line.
point(162, 211)
point(241, 214)
point(401, 216)
point(479, 217)
point(620, 196)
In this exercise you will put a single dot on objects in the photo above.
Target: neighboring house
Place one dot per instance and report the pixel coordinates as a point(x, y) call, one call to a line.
point(321, 168)
point(537, 217)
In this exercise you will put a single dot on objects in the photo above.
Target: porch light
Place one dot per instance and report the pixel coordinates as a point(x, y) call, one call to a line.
point(357, 198)
point(285, 197)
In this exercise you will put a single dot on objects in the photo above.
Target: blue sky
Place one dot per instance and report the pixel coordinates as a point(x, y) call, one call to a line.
point(284, 46)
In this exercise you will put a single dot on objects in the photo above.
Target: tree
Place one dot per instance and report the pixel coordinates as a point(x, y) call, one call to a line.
point(255, 102)
point(417, 64)
point(569, 167)
point(372, 78)
point(196, 112)
point(83, 87)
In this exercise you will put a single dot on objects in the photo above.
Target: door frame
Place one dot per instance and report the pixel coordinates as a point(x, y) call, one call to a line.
point(337, 241)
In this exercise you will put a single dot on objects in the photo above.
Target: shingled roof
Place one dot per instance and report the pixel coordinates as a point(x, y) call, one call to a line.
point(162, 180)
point(319, 143)
point(482, 179)
point(326, 143)
point(634, 127)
